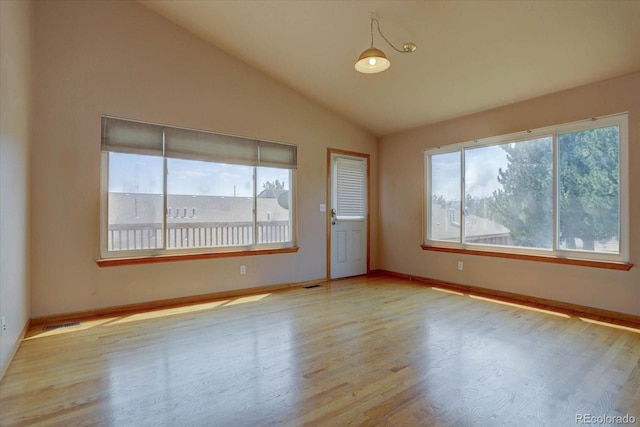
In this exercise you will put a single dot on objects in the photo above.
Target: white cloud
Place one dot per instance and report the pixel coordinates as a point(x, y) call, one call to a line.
point(481, 170)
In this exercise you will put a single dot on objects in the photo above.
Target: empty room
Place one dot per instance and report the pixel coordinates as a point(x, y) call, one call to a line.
point(328, 213)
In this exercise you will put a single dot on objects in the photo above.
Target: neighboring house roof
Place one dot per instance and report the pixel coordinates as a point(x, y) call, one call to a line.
point(270, 193)
point(475, 226)
point(139, 208)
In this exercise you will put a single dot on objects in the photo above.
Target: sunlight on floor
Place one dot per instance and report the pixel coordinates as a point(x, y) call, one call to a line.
point(167, 312)
point(540, 310)
point(146, 315)
point(447, 291)
point(526, 307)
point(252, 298)
point(192, 308)
point(611, 325)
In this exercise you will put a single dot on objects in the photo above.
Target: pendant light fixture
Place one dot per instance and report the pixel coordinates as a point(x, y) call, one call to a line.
point(374, 60)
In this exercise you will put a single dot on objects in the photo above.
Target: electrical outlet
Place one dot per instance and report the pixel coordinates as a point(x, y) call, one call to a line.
point(243, 269)
point(460, 265)
point(3, 326)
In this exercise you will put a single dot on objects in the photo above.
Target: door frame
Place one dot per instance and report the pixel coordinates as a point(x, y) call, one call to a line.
point(329, 200)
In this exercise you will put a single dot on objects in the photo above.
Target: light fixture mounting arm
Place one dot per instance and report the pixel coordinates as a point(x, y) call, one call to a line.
point(406, 48)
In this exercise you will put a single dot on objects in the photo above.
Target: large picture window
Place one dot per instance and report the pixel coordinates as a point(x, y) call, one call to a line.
point(168, 190)
point(557, 191)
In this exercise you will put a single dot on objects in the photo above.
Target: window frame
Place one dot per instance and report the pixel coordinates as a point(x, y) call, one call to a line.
point(108, 257)
point(555, 254)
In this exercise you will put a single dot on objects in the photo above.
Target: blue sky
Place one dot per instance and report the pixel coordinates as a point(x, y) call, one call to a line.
point(130, 173)
point(481, 164)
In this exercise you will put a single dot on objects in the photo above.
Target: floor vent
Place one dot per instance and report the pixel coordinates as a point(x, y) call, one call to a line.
point(61, 325)
point(312, 286)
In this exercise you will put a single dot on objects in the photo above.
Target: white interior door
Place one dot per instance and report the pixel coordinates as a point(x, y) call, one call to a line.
point(348, 216)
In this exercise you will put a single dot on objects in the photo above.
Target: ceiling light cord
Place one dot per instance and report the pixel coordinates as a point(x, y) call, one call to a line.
point(408, 47)
point(373, 19)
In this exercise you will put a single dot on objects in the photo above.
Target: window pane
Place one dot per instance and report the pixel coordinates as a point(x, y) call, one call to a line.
point(509, 194)
point(135, 202)
point(274, 205)
point(444, 221)
point(482, 168)
point(208, 204)
point(589, 190)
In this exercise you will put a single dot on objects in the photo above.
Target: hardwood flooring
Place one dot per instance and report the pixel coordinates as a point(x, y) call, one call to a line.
point(363, 351)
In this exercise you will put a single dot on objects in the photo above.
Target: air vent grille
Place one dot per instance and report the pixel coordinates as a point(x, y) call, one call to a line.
point(60, 325)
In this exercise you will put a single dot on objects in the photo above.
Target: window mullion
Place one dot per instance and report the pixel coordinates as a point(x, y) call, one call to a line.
point(165, 230)
point(104, 212)
point(463, 218)
point(556, 192)
point(255, 206)
point(428, 198)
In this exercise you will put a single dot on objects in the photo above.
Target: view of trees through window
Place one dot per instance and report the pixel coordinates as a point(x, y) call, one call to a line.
point(589, 189)
point(523, 203)
point(509, 192)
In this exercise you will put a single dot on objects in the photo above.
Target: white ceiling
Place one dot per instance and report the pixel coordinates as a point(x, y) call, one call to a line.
point(471, 56)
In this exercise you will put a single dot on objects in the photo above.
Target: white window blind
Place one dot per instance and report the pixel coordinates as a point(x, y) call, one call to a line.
point(351, 189)
point(128, 136)
point(277, 155)
point(208, 146)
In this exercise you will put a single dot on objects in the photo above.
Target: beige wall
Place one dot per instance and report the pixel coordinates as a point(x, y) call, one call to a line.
point(121, 59)
point(401, 201)
point(15, 81)
point(118, 58)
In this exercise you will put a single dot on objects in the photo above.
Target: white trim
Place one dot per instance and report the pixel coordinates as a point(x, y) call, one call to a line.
point(623, 165)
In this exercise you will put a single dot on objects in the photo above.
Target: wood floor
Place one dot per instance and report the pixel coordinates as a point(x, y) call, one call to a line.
point(363, 351)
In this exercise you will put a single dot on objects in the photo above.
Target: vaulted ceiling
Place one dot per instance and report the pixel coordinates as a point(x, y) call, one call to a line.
point(471, 56)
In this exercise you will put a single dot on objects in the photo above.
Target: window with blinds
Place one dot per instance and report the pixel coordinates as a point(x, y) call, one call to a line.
point(175, 190)
point(351, 189)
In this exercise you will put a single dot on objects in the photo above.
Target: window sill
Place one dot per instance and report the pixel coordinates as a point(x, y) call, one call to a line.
point(113, 262)
point(611, 265)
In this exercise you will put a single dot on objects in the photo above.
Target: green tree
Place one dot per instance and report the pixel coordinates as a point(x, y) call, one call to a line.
point(587, 189)
point(588, 186)
point(273, 185)
point(478, 206)
point(525, 201)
